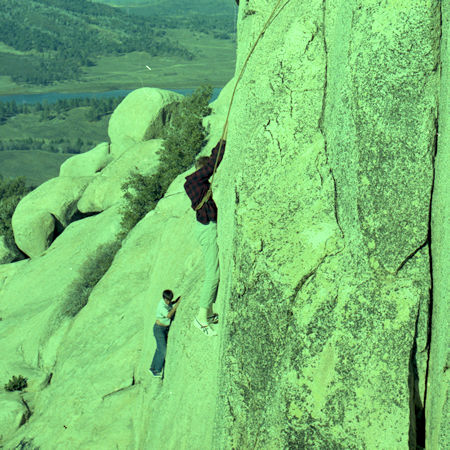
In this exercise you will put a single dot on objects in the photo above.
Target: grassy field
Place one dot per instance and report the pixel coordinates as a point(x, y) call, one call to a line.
point(215, 65)
point(36, 166)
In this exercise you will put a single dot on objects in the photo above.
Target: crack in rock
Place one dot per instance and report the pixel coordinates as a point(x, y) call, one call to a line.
point(410, 256)
point(312, 38)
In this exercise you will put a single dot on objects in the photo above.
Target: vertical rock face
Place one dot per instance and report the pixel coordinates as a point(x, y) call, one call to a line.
point(437, 401)
point(324, 204)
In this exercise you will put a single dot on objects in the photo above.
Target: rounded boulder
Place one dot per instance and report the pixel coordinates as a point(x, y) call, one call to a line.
point(33, 221)
point(87, 163)
point(134, 116)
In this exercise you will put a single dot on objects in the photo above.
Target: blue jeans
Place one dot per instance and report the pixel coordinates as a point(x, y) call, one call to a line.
point(160, 332)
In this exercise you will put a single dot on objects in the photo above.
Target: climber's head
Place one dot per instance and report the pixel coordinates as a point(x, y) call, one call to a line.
point(167, 296)
point(200, 162)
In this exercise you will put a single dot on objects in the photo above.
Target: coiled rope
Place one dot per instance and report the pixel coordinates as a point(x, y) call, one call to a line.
point(208, 193)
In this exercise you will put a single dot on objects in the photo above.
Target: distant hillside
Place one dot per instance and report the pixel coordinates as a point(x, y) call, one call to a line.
point(178, 7)
point(54, 39)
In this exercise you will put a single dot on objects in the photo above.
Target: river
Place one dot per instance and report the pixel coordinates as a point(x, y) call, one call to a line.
point(53, 97)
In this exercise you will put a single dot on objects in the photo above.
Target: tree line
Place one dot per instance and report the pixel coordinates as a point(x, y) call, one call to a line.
point(69, 35)
point(99, 107)
point(61, 145)
point(221, 27)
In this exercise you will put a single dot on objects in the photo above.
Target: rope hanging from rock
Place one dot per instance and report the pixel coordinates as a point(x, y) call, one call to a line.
point(209, 192)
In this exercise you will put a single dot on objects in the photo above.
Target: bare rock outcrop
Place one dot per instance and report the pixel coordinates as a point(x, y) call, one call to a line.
point(87, 163)
point(34, 295)
point(135, 115)
point(105, 189)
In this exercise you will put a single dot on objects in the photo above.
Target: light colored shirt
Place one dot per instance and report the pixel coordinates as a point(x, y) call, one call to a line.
point(161, 312)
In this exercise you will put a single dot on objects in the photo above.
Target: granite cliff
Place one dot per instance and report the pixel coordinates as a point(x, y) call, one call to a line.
point(333, 235)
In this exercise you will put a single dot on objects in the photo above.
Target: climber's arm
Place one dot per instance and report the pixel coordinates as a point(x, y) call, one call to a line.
point(174, 309)
point(207, 170)
point(212, 158)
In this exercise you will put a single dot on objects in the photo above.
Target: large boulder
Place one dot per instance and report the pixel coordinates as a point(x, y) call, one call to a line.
point(134, 116)
point(105, 189)
point(33, 221)
point(87, 163)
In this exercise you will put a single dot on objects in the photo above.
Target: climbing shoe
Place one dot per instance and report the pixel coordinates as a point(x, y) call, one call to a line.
point(213, 318)
point(206, 329)
point(156, 374)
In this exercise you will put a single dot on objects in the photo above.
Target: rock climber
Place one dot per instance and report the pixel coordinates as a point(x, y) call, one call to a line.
point(164, 313)
point(196, 186)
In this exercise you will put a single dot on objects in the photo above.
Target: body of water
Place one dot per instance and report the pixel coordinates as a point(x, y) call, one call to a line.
point(53, 97)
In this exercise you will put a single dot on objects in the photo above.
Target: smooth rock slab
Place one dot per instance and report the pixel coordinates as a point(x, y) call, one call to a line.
point(32, 295)
point(11, 410)
point(438, 401)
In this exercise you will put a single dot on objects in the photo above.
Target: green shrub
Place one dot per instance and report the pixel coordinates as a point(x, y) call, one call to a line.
point(184, 137)
point(11, 192)
point(16, 383)
point(142, 194)
point(90, 275)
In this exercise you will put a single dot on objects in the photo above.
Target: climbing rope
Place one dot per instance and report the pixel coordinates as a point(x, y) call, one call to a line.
point(208, 193)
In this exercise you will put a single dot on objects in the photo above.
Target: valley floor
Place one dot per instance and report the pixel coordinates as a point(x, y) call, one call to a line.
point(214, 65)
